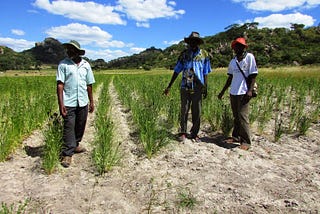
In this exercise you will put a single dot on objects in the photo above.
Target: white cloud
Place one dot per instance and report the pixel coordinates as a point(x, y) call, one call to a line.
point(280, 20)
point(278, 5)
point(17, 32)
point(274, 5)
point(108, 54)
point(139, 10)
point(172, 3)
point(112, 43)
point(84, 35)
point(84, 11)
point(174, 42)
point(134, 50)
point(144, 10)
point(16, 44)
point(90, 38)
point(143, 24)
point(105, 54)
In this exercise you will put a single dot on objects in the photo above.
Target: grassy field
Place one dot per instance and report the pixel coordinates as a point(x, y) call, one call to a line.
point(284, 93)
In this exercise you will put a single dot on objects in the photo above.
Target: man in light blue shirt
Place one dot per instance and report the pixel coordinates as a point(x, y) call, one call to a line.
point(74, 89)
point(194, 64)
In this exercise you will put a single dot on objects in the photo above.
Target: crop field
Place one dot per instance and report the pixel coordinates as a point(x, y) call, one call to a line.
point(288, 104)
point(289, 100)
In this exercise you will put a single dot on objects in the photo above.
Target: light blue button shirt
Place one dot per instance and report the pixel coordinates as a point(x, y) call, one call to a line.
point(76, 78)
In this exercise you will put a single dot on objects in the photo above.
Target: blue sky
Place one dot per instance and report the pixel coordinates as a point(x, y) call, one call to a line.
point(108, 29)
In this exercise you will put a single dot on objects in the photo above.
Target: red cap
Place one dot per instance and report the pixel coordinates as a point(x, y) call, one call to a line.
point(239, 40)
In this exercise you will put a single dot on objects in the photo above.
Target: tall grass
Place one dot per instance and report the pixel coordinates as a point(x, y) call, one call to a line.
point(106, 147)
point(25, 105)
point(149, 109)
point(53, 143)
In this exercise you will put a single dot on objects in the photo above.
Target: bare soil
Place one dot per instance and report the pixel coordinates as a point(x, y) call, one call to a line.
point(282, 177)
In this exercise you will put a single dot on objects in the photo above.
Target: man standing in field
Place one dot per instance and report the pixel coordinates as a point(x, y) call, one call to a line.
point(74, 90)
point(240, 92)
point(194, 63)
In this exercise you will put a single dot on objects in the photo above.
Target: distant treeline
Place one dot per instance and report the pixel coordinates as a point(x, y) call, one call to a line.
point(271, 47)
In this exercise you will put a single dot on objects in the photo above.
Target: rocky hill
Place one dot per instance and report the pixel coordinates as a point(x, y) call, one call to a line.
point(50, 51)
point(271, 47)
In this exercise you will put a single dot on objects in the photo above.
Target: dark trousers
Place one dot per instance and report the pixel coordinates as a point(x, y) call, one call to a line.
point(192, 99)
point(241, 126)
point(73, 129)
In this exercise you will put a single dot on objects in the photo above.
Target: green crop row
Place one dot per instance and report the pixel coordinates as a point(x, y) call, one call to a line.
point(105, 146)
point(26, 102)
point(150, 110)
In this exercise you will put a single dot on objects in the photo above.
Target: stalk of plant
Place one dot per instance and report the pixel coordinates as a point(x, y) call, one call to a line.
point(304, 124)
point(151, 135)
point(227, 120)
point(265, 113)
point(53, 143)
point(172, 113)
point(105, 153)
point(212, 112)
point(278, 126)
point(186, 199)
point(10, 209)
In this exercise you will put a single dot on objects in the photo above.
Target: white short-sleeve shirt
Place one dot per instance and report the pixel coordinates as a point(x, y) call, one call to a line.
point(249, 66)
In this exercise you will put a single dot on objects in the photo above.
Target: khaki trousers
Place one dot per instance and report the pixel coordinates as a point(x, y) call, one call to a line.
point(241, 126)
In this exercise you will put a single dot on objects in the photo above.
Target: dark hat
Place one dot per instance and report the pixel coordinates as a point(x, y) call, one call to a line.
point(193, 36)
point(239, 40)
point(75, 44)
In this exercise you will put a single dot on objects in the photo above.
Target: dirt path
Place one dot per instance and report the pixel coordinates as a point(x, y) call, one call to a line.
point(279, 177)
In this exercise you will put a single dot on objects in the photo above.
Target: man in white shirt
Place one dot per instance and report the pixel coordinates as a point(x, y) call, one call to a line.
point(240, 92)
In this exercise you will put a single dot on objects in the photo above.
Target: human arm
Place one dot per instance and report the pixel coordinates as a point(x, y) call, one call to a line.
point(252, 73)
point(173, 78)
point(252, 81)
point(226, 86)
point(90, 95)
point(62, 108)
point(205, 87)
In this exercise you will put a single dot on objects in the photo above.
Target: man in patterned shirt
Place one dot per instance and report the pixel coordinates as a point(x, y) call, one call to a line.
point(194, 63)
point(74, 89)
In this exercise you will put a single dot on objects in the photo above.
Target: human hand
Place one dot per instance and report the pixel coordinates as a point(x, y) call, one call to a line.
point(63, 111)
point(91, 107)
point(166, 91)
point(220, 95)
point(245, 99)
point(204, 92)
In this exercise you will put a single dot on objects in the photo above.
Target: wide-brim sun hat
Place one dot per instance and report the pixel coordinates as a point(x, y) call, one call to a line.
point(239, 40)
point(194, 36)
point(75, 44)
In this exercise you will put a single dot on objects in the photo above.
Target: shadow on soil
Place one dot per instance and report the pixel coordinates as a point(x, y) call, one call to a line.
point(36, 151)
point(219, 141)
